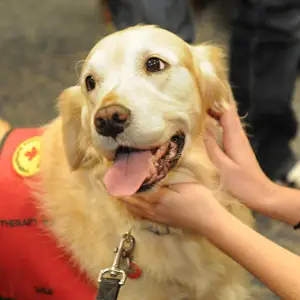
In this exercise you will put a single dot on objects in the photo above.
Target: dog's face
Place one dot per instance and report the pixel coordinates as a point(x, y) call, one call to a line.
point(143, 97)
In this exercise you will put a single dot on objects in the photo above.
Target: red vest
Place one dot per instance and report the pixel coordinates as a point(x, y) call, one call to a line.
point(32, 267)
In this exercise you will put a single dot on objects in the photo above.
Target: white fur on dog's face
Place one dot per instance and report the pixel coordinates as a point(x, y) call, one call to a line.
point(161, 103)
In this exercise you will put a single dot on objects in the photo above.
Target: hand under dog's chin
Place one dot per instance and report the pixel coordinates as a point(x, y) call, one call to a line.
point(180, 175)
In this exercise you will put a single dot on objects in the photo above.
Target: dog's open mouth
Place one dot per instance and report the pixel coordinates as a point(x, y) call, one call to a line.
point(138, 170)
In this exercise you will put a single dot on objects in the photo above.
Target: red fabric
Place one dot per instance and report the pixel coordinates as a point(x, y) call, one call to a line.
point(32, 267)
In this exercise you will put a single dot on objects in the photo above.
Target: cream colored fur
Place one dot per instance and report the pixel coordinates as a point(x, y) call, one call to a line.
point(85, 219)
point(4, 127)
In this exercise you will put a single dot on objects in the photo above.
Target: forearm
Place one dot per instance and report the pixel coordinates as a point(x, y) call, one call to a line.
point(276, 267)
point(283, 204)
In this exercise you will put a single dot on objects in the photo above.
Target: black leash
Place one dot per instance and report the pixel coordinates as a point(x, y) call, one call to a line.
point(108, 289)
point(110, 280)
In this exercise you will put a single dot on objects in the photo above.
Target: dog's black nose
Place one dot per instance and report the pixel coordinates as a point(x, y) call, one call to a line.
point(112, 120)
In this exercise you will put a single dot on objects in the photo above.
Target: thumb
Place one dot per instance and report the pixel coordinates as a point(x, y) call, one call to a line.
point(217, 156)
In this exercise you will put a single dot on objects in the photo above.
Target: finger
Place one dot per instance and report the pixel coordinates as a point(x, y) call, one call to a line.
point(135, 211)
point(130, 200)
point(179, 188)
point(218, 157)
point(232, 125)
point(148, 214)
point(137, 202)
point(215, 115)
point(235, 140)
point(155, 197)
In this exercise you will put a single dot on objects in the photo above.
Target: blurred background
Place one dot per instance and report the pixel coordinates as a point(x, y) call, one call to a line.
point(42, 44)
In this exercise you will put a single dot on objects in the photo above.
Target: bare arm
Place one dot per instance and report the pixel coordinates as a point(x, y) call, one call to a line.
point(273, 265)
point(193, 206)
point(283, 205)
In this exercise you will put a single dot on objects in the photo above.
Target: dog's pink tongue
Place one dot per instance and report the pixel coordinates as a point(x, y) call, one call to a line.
point(127, 173)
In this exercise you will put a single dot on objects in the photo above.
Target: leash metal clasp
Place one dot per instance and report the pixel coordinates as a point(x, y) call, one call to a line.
point(123, 252)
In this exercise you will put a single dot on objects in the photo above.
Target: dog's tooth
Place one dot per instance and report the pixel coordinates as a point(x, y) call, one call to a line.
point(161, 150)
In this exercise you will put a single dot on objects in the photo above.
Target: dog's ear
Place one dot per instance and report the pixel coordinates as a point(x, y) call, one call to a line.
point(211, 72)
point(71, 103)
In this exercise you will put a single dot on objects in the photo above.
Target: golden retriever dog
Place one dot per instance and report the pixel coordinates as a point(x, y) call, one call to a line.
point(135, 123)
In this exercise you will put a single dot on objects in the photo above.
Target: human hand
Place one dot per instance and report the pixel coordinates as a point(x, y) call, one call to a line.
point(187, 205)
point(237, 164)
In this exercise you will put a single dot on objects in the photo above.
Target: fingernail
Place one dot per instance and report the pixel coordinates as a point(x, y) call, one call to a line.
point(215, 115)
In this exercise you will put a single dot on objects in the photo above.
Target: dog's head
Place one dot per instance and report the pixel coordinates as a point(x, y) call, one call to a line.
point(142, 102)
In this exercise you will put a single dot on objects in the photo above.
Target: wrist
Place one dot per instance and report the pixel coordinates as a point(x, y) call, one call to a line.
point(208, 224)
point(269, 200)
point(266, 196)
point(284, 205)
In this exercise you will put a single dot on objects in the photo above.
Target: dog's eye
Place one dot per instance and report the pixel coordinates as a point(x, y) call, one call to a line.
point(155, 64)
point(90, 83)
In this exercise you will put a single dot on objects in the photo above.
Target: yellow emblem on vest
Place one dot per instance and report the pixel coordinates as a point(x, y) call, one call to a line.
point(26, 159)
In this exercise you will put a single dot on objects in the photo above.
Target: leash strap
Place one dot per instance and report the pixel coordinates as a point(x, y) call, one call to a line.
point(108, 289)
point(111, 279)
